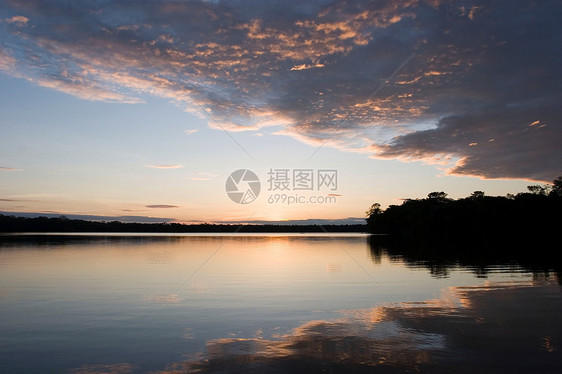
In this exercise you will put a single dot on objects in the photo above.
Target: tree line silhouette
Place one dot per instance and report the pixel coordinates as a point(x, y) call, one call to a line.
point(533, 214)
point(477, 232)
point(12, 224)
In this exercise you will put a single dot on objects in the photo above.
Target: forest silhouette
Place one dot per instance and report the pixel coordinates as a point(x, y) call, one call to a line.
point(62, 224)
point(535, 213)
point(475, 232)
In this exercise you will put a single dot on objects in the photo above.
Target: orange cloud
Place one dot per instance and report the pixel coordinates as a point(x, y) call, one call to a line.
point(19, 20)
point(164, 166)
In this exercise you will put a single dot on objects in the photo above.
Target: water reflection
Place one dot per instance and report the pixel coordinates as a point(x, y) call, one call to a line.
point(481, 258)
point(279, 303)
point(47, 240)
point(492, 328)
point(52, 240)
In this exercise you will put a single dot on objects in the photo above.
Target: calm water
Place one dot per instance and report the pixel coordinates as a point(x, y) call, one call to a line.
point(258, 303)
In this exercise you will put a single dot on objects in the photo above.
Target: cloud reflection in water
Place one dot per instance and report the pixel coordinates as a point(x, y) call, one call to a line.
point(496, 328)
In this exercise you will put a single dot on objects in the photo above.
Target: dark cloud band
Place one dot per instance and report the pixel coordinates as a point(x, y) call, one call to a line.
point(480, 70)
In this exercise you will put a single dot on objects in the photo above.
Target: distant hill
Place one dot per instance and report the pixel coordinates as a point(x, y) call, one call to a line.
point(13, 224)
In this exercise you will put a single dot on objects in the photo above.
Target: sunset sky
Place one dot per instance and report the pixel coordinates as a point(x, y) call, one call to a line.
point(142, 109)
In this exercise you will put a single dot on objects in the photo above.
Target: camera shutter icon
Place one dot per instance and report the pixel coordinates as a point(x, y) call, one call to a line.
point(243, 186)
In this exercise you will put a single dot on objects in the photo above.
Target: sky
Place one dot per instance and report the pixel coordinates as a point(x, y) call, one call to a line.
point(141, 110)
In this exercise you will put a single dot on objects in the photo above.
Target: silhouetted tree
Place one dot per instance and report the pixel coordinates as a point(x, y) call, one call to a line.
point(374, 210)
point(437, 195)
point(556, 189)
point(538, 189)
point(477, 195)
point(474, 218)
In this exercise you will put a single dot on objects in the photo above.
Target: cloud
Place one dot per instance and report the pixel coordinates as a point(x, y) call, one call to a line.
point(190, 131)
point(307, 66)
point(5, 168)
point(34, 196)
point(52, 214)
point(7, 62)
point(161, 206)
point(19, 20)
point(164, 166)
point(395, 79)
point(341, 221)
point(123, 368)
point(14, 200)
point(489, 144)
point(202, 176)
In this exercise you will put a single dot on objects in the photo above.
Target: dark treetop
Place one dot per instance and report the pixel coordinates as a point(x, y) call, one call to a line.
point(477, 222)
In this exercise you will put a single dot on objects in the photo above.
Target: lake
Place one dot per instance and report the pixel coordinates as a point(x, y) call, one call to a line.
point(279, 303)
